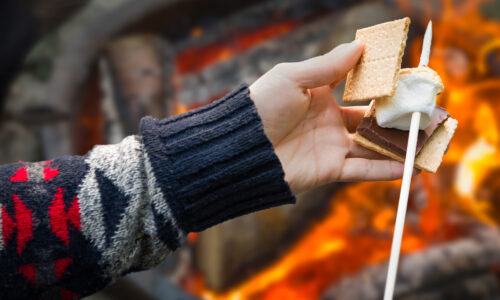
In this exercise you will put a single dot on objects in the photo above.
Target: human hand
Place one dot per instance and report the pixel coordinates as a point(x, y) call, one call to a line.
point(311, 133)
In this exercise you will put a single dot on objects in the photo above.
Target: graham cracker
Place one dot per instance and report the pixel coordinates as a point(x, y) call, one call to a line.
point(376, 73)
point(430, 156)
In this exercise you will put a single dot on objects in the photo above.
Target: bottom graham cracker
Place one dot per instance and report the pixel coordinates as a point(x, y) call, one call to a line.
point(430, 156)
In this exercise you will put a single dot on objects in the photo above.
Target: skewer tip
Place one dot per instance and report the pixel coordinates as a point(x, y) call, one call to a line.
point(426, 46)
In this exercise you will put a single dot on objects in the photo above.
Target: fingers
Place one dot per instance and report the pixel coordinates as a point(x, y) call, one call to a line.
point(324, 69)
point(356, 150)
point(362, 169)
point(352, 116)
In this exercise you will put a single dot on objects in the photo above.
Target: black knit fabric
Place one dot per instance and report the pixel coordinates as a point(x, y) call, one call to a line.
point(215, 163)
point(72, 225)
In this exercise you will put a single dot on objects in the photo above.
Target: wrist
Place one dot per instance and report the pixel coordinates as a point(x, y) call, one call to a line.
point(215, 163)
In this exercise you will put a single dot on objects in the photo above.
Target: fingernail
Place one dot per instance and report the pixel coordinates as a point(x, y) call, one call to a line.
point(356, 43)
point(346, 48)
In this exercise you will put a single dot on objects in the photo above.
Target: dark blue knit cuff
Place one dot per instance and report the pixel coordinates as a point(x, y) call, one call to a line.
point(215, 163)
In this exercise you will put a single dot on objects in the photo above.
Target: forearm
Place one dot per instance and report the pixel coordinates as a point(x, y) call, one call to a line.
point(72, 225)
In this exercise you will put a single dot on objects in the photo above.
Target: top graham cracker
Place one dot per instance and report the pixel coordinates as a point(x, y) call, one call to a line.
point(376, 73)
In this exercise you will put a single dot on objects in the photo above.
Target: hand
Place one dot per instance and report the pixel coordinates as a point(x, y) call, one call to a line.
point(311, 133)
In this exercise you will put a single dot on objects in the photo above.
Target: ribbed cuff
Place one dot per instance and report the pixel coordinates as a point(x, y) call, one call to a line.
point(215, 163)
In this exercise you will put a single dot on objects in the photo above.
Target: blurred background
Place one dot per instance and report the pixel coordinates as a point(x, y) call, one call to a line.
point(76, 73)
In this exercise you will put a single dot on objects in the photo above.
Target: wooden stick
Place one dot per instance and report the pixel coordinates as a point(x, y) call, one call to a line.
point(405, 185)
point(403, 202)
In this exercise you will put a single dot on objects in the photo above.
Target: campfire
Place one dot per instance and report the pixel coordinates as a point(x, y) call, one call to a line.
point(335, 242)
point(456, 203)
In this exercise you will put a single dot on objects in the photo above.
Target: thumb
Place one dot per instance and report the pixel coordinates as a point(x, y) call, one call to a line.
point(325, 69)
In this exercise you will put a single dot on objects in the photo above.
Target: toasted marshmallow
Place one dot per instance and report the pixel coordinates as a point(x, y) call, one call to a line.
point(416, 90)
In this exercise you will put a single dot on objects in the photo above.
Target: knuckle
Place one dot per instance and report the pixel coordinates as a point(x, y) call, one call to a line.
point(282, 67)
point(335, 73)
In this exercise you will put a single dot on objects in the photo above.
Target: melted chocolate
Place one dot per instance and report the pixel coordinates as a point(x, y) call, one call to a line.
point(396, 140)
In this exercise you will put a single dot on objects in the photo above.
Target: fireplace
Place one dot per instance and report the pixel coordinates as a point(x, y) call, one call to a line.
point(164, 57)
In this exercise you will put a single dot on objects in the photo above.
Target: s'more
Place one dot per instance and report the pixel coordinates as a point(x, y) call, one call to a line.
point(396, 93)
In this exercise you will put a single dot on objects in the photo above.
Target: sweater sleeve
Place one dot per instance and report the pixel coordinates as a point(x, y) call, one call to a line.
point(70, 226)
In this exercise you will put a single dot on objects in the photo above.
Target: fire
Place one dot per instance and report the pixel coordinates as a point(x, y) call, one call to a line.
point(470, 170)
point(356, 233)
point(195, 59)
point(478, 158)
point(358, 230)
point(179, 108)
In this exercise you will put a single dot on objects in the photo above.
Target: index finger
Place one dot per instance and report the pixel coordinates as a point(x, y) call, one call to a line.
point(327, 68)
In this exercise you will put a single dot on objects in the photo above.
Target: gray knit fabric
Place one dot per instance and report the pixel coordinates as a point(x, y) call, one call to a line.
point(134, 244)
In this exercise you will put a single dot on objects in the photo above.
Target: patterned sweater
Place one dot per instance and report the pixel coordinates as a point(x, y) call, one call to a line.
point(72, 225)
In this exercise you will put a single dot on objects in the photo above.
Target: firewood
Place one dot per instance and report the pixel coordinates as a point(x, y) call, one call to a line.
point(463, 269)
point(231, 252)
point(134, 69)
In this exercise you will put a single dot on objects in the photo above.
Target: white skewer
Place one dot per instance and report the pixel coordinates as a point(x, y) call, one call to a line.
point(426, 46)
point(405, 185)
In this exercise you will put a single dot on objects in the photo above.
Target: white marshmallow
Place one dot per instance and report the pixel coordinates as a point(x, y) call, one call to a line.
point(416, 90)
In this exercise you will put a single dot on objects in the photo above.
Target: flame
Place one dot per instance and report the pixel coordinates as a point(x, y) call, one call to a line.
point(179, 108)
point(197, 58)
point(356, 233)
point(480, 155)
point(358, 229)
point(471, 168)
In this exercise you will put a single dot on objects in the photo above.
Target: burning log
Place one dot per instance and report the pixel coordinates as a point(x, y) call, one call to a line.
point(222, 76)
point(315, 37)
point(465, 269)
point(134, 73)
point(232, 251)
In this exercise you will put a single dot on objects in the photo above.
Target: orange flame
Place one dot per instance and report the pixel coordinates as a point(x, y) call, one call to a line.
point(356, 233)
point(179, 108)
point(195, 59)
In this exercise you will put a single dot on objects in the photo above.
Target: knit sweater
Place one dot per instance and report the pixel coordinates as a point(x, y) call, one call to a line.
point(72, 225)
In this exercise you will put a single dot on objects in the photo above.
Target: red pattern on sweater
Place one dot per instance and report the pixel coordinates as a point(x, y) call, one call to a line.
point(29, 272)
point(74, 213)
point(8, 225)
point(61, 265)
point(50, 173)
point(47, 162)
point(22, 222)
point(20, 175)
point(69, 295)
point(59, 218)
